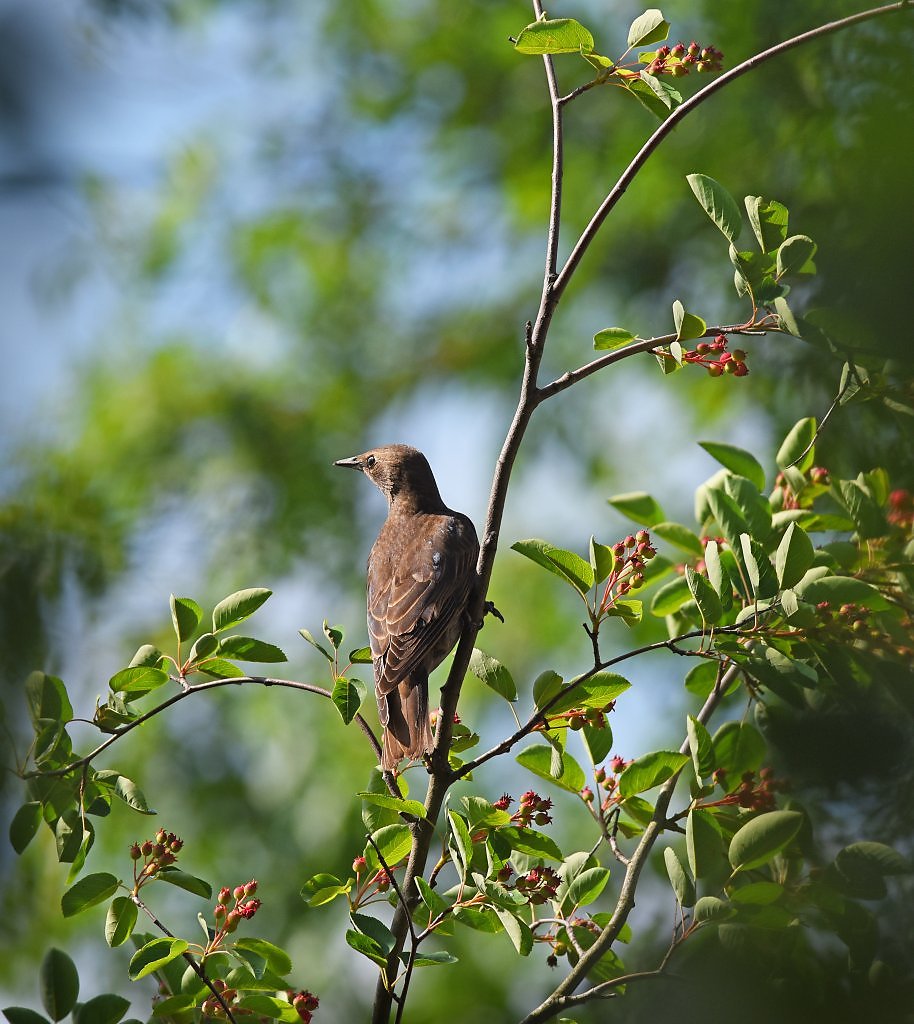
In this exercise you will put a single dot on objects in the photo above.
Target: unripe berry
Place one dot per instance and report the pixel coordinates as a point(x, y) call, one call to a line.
point(576, 722)
point(715, 369)
point(741, 370)
point(560, 949)
point(146, 848)
point(225, 894)
point(678, 51)
point(600, 774)
point(135, 853)
point(587, 795)
point(739, 355)
point(358, 864)
point(629, 541)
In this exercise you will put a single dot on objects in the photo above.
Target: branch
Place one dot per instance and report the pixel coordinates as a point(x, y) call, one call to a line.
point(200, 688)
point(636, 348)
point(197, 968)
point(540, 714)
point(686, 108)
point(626, 901)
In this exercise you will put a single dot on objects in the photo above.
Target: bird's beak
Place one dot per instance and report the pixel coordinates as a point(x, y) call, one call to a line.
point(352, 463)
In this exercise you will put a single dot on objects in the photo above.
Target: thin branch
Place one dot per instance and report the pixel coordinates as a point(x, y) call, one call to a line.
point(636, 348)
point(686, 108)
point(197, 968)
point(821, 426)
point(555, 202)
point(539, 716)
point(626, 901)
point(212, 684)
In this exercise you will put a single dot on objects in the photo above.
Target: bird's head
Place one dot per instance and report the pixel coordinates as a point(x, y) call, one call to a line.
point(400, 472)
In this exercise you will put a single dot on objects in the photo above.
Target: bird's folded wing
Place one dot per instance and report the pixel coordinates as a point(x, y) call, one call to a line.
point(411, 610)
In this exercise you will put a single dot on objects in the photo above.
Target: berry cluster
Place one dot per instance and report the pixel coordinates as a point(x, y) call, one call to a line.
point(752, 794)
point(627, 574)
point(245, 907)
point(852, 623)
point(559, 946)
point(532, 808)
point(212, 1008)
point(818, 477)
point(537, 886)
point(595, 717)
point(713, 355)
point(901, 509)
point(157, 853)
point(606, 781)
point(678, 60)
point(305, 1004)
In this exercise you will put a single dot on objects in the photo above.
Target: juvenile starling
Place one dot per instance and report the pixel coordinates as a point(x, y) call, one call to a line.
point(420, 573)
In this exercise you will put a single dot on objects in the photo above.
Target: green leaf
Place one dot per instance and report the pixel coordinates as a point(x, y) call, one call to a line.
point(598, 741)
point(491, 672)
point(739, 748)
point(559, 35)
point(718, 204)
point(671, 597)
point(602, 560)
point(87, 892)
point(306, 634)
point(587, 886)
point(752, 567)
point(47, 698)
point(107, 1008)
point(737, 460)
point(237, 607)
point(865, 512)
point(23, 1015)
point(126, 789)
point(204, 646)
point(705, 596)
point(121, 919)
point(611, 338)
point(58, 982)
point(650, 770)
point(795, 256)
point(840, 590)
point(518, 931)
point(794, 556)
point(594, 693)
point(565, 564)
point(412, 807)
point(24, 825)
point(366, 946)
point(649, 27)
point(482, 814)
point(688, 326)
point(799, 439)
point(639, 507)
point(757, 894)
point(718, 575)
point(538, 759)
point(769, 222)
point(154, 955)
point(435, 903)
point(763, 837)
point(710, 909)
point(394, 842)
point(323, 888)
point(437, 959)
point(546, 685)
point(702, 748)
point(347, 696)
point(683, 886)
point(277, 959)
point(704, 844)
point(147, 655)
point(137, 682)
point(700, 680)
point(531, 842)
point(245, 648)
point(219, 668)
point(184, 880)
point(877, 856)
point(334, 634)
point(360, 656)
point(185, 616)
point(267, 1007)
point(681, 536)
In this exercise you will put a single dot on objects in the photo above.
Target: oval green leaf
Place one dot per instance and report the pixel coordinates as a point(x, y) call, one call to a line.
point(121, 919)
point(718, 204)
point(650, 770)
point(490, 671)
point(154, 955)
point(763, 837)
point(87, 892)
point(237, 607)
point(58, 982)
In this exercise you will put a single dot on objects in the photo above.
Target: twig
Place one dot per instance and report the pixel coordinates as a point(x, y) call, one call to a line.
point(686, 108)
point(197, 968)
point(626, 901)
point(212, 684)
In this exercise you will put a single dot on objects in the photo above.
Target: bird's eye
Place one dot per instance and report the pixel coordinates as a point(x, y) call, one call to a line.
point(370, 461)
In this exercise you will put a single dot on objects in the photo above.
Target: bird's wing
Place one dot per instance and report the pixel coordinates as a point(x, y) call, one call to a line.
point(412, 603)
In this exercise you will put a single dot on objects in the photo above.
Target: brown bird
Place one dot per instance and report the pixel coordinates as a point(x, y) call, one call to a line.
point(420, 573)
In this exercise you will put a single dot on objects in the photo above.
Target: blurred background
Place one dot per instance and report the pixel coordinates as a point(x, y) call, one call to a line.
point(243, 238)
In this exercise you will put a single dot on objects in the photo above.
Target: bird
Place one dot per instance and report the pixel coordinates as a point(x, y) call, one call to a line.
point(421, 573)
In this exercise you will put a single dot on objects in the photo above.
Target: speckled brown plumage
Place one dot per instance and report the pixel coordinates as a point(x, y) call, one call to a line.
point(420, 573)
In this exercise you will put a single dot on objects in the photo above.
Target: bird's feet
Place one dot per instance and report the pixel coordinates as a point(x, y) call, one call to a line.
point(489, 609)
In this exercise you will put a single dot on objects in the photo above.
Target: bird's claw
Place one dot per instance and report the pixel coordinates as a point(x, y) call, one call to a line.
point(489, 609)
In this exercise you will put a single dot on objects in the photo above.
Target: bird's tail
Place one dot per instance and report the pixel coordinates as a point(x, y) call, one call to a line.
point(407, 732)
